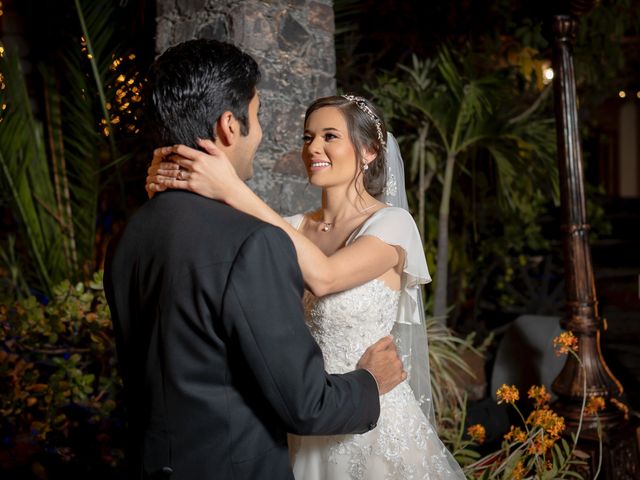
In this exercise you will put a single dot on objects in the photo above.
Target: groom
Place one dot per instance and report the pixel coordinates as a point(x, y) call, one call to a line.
point(217, 362)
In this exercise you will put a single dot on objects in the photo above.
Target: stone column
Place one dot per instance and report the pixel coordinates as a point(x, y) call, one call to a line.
point(292, 41)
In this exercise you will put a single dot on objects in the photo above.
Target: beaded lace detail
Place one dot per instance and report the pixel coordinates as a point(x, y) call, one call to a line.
point(404, 445)
point(391, 187)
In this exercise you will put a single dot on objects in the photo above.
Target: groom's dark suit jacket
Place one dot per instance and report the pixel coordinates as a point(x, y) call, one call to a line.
point(217, 362)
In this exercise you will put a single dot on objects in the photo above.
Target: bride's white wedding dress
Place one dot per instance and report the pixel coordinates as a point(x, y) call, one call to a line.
point(404, 445)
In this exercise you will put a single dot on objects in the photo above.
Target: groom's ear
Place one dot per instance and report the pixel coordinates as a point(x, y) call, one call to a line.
point(227, 128)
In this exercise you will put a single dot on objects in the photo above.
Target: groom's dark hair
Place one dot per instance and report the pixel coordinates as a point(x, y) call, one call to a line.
point(192, 84)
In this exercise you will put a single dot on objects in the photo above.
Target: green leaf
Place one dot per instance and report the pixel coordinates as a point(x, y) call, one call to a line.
point(572, 474)
point(568, 450)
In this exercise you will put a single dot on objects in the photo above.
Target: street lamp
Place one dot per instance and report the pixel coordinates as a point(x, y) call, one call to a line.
point(582, 318)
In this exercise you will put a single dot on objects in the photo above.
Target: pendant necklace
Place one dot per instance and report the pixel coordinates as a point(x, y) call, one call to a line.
point(328, 226)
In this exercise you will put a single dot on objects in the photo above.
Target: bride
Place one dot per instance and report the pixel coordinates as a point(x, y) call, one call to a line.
point(362, 261)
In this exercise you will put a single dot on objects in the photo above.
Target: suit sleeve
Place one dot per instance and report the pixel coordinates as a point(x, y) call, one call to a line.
point(262, 310)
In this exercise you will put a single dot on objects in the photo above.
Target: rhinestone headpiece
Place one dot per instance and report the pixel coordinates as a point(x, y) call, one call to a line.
point(362, 105)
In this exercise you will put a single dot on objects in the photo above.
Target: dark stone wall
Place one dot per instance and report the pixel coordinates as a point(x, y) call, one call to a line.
point(293, 44)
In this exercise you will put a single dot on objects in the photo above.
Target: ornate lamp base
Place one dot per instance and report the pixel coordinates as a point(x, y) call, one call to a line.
point(620, 452)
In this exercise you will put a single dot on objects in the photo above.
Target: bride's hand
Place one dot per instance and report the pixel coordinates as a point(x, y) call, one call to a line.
point(161, 169)
point(208, 174)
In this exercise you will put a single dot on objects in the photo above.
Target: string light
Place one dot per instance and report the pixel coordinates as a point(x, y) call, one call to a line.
point(547, 75)
point(3, 106)
point(125, 108)
point(622, 94)
point(638, 94)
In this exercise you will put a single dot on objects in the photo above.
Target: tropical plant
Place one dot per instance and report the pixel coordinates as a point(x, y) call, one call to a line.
point(453, 118)
point(54, 167)
point(446, 364)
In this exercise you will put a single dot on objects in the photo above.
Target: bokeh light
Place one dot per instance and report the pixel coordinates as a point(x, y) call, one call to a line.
point(125, 108)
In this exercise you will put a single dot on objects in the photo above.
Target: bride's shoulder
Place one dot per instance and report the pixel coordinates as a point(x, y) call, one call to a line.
point(388, 223)
point(391, 214)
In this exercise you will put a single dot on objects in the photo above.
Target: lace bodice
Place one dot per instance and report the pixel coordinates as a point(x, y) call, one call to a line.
point(344, 324)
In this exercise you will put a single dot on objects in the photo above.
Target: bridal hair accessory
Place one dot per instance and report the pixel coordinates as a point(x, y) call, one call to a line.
point(362, 105)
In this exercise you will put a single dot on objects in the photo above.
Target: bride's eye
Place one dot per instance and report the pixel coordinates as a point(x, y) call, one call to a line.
point(306, 138)
point(329, 136)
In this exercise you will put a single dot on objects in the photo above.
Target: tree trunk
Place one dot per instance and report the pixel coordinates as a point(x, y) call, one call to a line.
point(442, 258)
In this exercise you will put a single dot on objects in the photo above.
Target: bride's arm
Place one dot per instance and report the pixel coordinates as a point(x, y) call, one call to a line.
point(367, 258)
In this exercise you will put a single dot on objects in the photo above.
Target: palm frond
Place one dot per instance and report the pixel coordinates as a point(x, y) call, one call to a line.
point(450, 73)
point(83, 146)
point(52, 173)
point(445, 364)
point(97, 31)
point(58, 164)
point(86, 115)
point(26, 174)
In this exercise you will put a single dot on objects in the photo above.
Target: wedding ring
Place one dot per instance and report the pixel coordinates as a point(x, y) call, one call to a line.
point(180, 175)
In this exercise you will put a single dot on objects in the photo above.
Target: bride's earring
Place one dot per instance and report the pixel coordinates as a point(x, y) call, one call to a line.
point(365, 167)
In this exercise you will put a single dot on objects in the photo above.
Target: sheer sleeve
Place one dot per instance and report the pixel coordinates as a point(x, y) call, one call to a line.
point(395, 226)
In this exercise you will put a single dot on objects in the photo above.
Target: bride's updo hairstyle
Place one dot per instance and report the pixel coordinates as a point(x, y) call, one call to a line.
point(366, 130)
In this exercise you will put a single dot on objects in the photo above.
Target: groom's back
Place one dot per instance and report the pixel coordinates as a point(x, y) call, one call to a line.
point(194, 405)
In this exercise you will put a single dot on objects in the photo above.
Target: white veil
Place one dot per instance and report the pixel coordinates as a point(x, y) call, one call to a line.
point(409, 331)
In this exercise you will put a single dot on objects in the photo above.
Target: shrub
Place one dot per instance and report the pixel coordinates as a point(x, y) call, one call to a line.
point(58, 382)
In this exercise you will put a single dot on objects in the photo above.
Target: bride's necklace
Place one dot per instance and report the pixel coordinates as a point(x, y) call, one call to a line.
point(328, 226)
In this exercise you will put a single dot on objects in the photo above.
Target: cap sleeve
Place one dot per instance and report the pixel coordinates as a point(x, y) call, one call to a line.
point(395, 226)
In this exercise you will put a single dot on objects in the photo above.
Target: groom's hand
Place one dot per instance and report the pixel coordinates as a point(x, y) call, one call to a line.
point(381, 360)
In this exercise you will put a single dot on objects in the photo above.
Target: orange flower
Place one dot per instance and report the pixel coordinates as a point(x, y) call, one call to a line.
point(565, 342)
point(594, 405)
point(508, 394)
point(519, 471)
point(540, 446)
point(548, 420)
point(539, 395)
point(515, 434)
point(477, 433)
